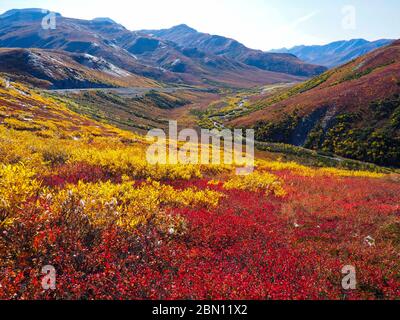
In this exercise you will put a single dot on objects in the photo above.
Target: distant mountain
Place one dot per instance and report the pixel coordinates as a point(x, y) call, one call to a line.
point(188, 37)
point(352, 111)
point(140, 54)
point(335, 53)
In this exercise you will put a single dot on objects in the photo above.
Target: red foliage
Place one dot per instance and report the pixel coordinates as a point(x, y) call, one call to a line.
point(73, 173)
point(250, 247)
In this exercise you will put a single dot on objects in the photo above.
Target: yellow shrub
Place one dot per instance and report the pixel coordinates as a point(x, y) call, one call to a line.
point(21, 125)
point(313, 172)
point(132, 162)
point(280, 166)
point(125, 204)
point(214, 183)
point(349, 173)
point(257, 181)
point(17, 185)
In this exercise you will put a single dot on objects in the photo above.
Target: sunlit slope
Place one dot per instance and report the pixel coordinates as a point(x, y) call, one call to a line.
point(352, 111)
point(50, 69)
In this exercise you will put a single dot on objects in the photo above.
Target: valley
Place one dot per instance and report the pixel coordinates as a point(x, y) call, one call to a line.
point(80, 191)
point(137, 109)
point(75, 187)
point(349, 111)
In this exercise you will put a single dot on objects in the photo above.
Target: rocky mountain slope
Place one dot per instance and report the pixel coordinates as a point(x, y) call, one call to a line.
point(232, 49)
point(61, 70)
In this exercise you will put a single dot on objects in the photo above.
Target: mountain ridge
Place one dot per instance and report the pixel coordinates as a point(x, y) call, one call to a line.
point(335, 53)
point(188, 37)
point(140, 54)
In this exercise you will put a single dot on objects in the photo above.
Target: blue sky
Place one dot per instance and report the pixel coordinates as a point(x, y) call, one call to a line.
point(260, 24)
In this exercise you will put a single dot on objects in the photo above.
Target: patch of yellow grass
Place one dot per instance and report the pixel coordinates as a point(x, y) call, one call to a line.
point(313, 172)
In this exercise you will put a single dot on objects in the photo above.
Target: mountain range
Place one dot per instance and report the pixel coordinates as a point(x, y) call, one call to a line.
point(150, 55)
point(335, 53)
point(187, 37)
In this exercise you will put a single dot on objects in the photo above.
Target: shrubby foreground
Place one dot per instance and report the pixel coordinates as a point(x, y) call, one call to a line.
point(80, 196)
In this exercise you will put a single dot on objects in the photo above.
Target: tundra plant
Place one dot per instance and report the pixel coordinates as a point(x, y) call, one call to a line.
point(186, 147)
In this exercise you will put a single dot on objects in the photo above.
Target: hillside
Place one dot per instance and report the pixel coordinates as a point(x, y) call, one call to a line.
point(352, 111)
point(336, 53)
point(137, 112)
point(139, 54)
point(80, 195)
point(232, 49)
point(61, 70)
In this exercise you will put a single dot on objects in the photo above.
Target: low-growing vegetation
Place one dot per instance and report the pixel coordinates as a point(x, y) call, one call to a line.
point(79, 195)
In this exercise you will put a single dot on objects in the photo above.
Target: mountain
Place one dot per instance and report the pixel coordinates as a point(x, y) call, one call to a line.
point(352, 111)
point(23, 29)
point(195, 66)
point(62, 70)
point(188, 37)
point(136, 53)
point(335, 53)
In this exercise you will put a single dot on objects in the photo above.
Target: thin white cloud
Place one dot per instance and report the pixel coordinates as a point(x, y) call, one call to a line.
point(303, 19)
